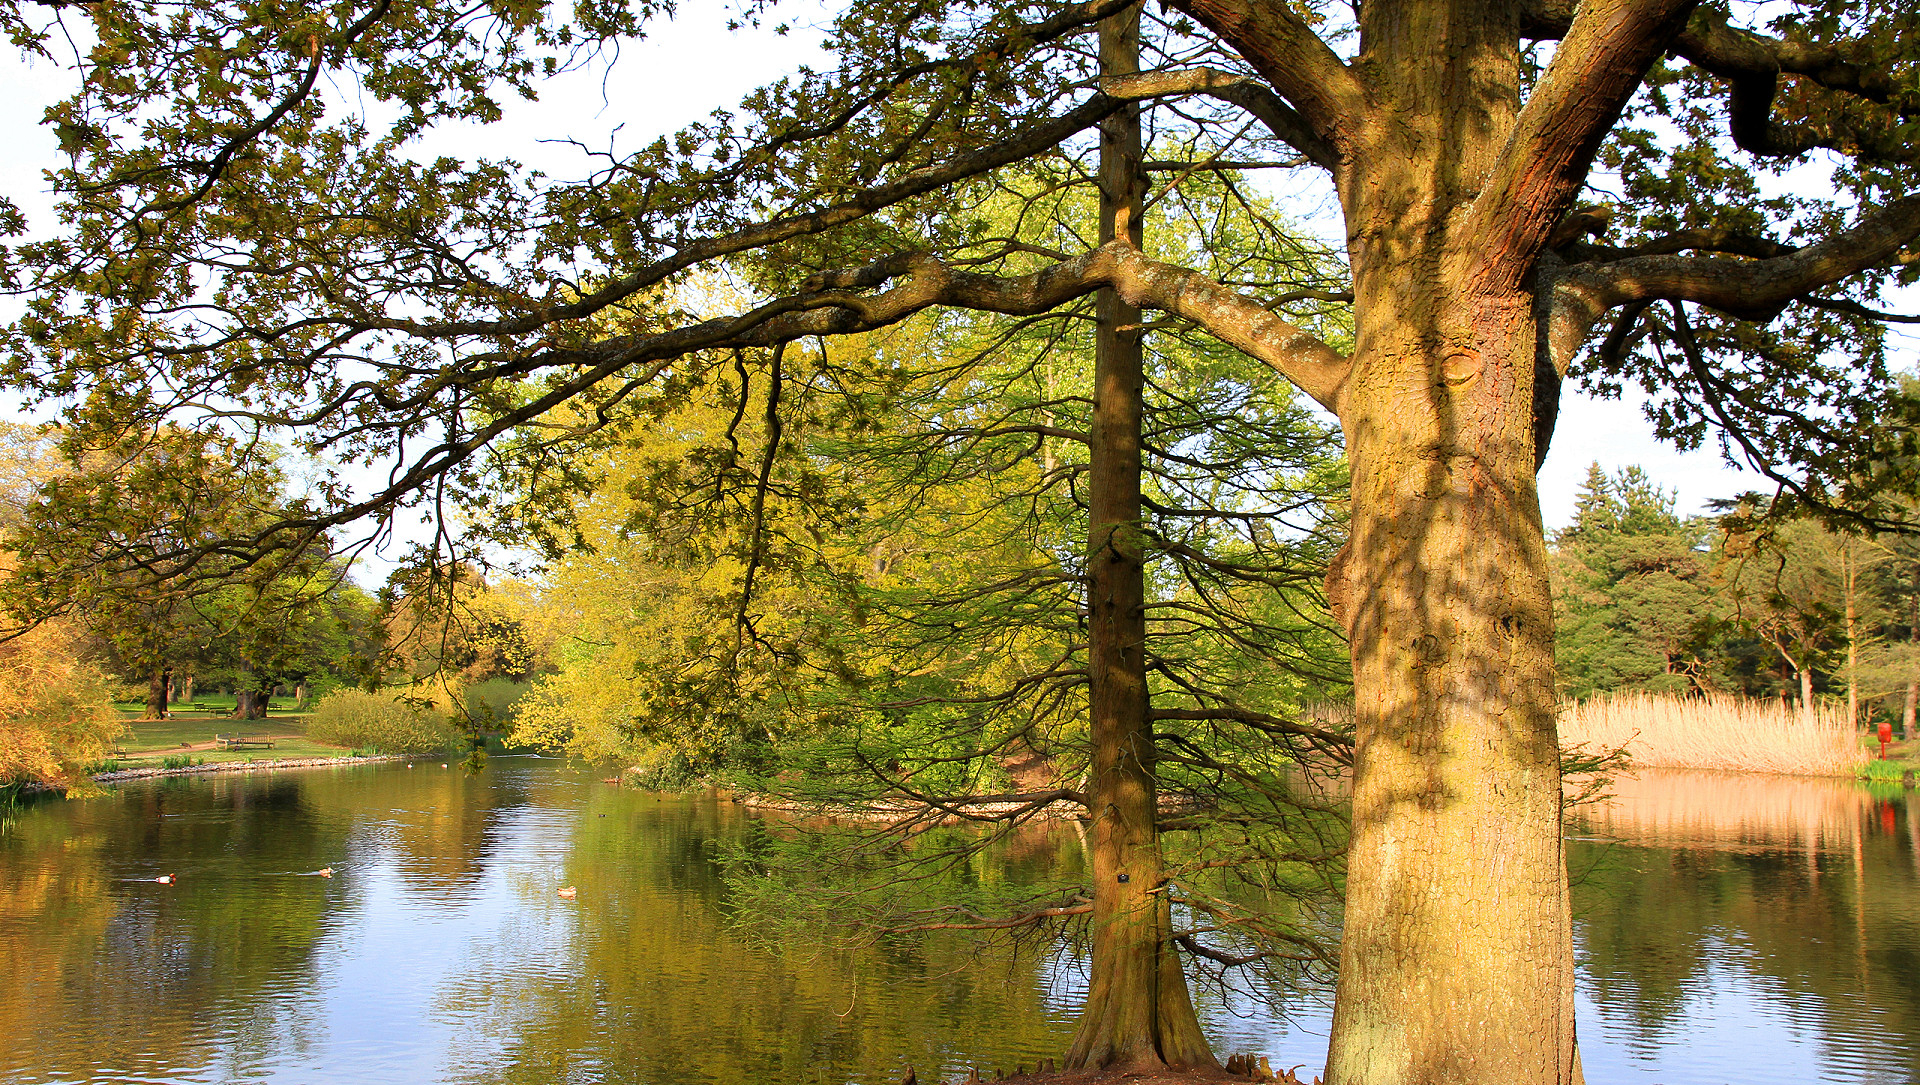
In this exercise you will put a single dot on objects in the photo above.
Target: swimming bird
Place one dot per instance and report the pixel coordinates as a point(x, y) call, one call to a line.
point(567, 893)
point(165, 879)
point(325, 872)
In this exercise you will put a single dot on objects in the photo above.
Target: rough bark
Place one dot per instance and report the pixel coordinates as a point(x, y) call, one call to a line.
point(157, 694)
point(1138, 1014)
point(1456, 962)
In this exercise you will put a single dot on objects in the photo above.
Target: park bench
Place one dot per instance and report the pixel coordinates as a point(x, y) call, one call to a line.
point(242, 742)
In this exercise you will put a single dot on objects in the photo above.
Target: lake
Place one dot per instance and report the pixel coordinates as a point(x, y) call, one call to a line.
point(1729, 929)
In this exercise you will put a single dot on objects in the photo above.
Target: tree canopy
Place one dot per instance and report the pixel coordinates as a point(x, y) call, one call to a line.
point(1529, 191)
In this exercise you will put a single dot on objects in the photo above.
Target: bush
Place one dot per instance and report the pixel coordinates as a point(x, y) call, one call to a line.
point(492, 704)
point(357, 719)
point(55, 716)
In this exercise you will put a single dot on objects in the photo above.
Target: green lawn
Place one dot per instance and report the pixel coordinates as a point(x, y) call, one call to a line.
point(190, 731)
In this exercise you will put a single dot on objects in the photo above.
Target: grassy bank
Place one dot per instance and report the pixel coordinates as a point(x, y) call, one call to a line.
point(1717, 732)
point(190, 734)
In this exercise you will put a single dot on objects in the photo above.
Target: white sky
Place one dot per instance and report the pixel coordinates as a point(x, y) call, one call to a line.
point(694, 65)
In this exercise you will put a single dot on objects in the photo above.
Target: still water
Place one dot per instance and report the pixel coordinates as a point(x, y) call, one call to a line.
point(1729, 930)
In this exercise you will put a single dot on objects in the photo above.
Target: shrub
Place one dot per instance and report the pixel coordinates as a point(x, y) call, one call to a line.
point(55, 715)
point(494, 703)
point(383, 719)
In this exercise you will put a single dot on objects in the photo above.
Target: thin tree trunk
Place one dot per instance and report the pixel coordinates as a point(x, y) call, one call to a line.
point(1913, 683)
point(1806, 692)
point(1138, 1013)
point(1849, 575)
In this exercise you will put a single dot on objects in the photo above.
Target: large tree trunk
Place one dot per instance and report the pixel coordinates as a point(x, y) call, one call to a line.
point(157, 693)
point(251, 704)
point(1456, 964)
point(1138, 1014)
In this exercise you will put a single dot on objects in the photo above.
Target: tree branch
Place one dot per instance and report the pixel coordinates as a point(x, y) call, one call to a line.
point(1748, 289)
point(1249, 94)
point(1598, 66)
point(1329, 97)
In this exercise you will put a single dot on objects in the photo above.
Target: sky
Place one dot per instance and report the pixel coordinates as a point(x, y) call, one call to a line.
point(694, 65)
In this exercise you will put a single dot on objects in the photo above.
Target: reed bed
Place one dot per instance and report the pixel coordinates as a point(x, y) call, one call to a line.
point(1715, 732)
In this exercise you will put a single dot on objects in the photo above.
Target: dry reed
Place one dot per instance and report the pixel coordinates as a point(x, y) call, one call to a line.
point(1715, 732)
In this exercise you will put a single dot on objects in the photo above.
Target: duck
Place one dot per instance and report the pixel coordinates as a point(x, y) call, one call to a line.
point(567, 893)
point(165, 879)
point(325, 872)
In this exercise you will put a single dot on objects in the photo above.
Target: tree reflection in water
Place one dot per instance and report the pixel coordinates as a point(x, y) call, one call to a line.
point(1748, 929)
point(1733, 907)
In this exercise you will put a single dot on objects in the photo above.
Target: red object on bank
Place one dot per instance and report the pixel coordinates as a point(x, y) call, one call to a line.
point(1886, 736)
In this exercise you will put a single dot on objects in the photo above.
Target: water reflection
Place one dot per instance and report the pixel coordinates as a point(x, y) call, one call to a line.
point(1748, 928)
point(1730, 929)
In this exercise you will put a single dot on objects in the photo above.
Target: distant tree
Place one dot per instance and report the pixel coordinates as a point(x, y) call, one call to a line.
point(123, 539)
point(1635, 602)
point(1786, 588)
point(304, 625)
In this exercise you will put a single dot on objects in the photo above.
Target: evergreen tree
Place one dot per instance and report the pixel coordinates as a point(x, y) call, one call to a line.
point(1635, 602)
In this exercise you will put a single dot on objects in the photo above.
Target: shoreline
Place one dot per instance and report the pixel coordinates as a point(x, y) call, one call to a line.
point(218, 767)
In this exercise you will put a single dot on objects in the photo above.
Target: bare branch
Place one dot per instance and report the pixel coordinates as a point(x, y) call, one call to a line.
point(1249, 94)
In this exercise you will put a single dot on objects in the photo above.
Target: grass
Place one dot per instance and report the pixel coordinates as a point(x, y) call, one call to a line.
point(1885, 771)
point(166, 743)
point(210, 706)
point(1716, 732)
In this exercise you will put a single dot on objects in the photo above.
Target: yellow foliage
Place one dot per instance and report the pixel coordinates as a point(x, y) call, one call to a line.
point(55, 715)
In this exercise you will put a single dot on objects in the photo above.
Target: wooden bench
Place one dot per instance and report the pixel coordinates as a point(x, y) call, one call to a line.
point(242, 742)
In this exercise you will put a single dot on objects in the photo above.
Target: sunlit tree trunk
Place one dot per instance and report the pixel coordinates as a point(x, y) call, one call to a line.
point(1138, 1013)
point(1456, 963)
point(157, 693)
point(1456, 869)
